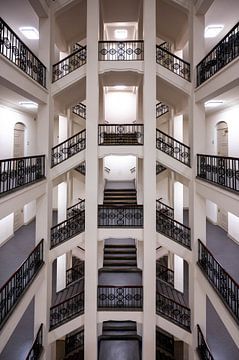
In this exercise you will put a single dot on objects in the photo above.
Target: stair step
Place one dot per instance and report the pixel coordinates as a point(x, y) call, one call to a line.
point(119, 325)
point(115, 269)
point(124, 256)
point(119, 246)
point(120, 262)
point(119, 251)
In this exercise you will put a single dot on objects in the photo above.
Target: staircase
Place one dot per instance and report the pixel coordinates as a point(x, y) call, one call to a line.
point(120, 197)
point(120, 255)
point(74, 345)
point(164, 345)
point(119, 340)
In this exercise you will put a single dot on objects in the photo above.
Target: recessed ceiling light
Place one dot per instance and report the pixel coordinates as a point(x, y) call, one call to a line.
point(30, 32)
point(28, 104)
point(213, 30)
point(213, 103)
point(120, 87)
point(121, 34)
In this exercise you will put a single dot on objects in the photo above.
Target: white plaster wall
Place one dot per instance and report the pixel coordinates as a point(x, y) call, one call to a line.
point(211, 211)
point(233, 227)
point(120, 107)
point(29, 211)
point(162, 190)
point(119, 167)
point(185, 197)
point(78, 190)
point(6, 228)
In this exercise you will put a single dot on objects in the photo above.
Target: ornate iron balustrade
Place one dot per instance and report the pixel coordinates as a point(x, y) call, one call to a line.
point(81, 168)
point(15, 287)
point(121, 50)
point(74, 341)
point(120, 297)
point(165, 274)
point(173, 311)
point(76, 209)
point(75, 273)
point(69, 64)
point(159, 168)
point(67, 229)
point(80, 110)
point(225, 286)
point(173, 229)
point(120, 216)
point(220, 170)
point(68, 148)
point(221, 55)
point(37, 347)
point(172, 62)
point(173, 147)
point(165, 341)
point(161, 109)
point(66, 310)
point(121, 134)
point(164, 209)
point(17, 172)
point(203, 348)
point(20, 55)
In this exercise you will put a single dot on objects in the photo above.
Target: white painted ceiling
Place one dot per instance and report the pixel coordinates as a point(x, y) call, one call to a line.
point(120, 10)
point(229, 98)
point(11, 99)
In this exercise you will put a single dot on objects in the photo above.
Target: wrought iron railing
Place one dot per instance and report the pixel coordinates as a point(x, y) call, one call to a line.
point(159, 168)
point(76, 209)
point(120, 297)
point(37, 347)
point(66, 310)
point(80, 110)
point(173, 229)
point(173, 311)
point(67, 229)
point(121, 50)
point(164, 209)
point(74, 341)
point(75, 273)
point(172, 62)
point(120, 216)
point(68, 148)
point(221, 55)
point(20, 55)
point(220, 170)
point(69, 64)
point(161, 109)
point(15, 287)
point(121, 134)
point(165, 341)
point(226, 287)
point(202, 346)
point(17, 172)
point(81, 168)
point(164, 273)
point(173, 147)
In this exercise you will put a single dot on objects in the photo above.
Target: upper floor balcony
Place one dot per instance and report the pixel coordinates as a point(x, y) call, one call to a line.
point(121, 50)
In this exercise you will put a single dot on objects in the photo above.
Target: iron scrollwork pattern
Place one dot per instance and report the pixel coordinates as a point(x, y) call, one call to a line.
point(66, 310)
point(75, 273)
point(76, 209)
point(164, 209)
point(14, 288)
point(220, 170)
point(17, 172)
point(68, 148)
point(121, 50)
point(37, 347)
point(74, 341)
point(202, 347)
point(120, 297)
point(81, 168)
point(161, 109)
point(121, 134)
point(165, 341)
point(69, 64)
point(80, 110)
point(221, 55)
point(20, 55)
point(173, 311)
point(159, 168)
point(120, 216)
point(165, 274)
point(226, 287)
point(172, 63)
point(173, 147)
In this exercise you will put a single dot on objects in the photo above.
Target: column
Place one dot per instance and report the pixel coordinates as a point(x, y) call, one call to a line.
point(149, 178)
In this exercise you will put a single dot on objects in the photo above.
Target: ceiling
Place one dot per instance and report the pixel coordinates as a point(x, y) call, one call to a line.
point(230, 98)
point(131, 28)
point(120, 11)
point(11, 99)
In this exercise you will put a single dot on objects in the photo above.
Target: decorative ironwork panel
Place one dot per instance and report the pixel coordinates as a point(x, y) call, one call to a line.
point(121, 50)
point(67, 229)
point(226, 287)
point(20, 55)
point(77, 209)
point(203, 348)
point(17, 172)
point(161, 109)
point(221, 55)
point(68, 148)
point(75, 273)
point(165, 274)
point(80, 110)
point(121, 134)
point(74, 341)
point(220, 170)
point(37, 347)
point(173, 147)
point(165, 341)
point(12, 291)
point(173, 229)
point(69, 64)
point(172, 62)
point(120, 297)
point(164, 209)
point(66, 310)
point(120, 216)
point(159, 168)
point(173, 311)
point(81, 168)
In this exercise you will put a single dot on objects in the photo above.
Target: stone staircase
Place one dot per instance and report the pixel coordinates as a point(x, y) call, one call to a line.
point(120, 197)
point(120, 255)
